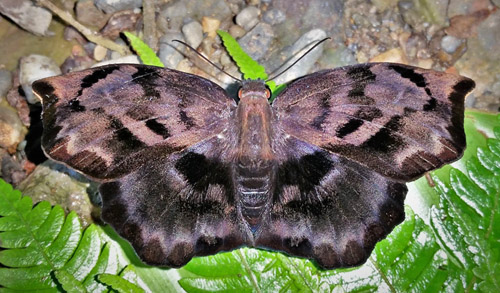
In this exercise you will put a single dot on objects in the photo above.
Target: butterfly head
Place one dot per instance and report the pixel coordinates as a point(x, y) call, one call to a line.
point(253, 89)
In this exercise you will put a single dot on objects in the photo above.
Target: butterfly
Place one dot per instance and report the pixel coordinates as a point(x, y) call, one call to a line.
point(186, 170)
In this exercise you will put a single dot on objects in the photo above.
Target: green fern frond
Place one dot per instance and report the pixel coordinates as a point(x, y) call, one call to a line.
point(250, 68)
point(467, 220)
point(147, 55)
point(125, 282)
point(45, 251)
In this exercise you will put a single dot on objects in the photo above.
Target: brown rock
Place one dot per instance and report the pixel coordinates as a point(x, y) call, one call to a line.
point(125, 20)
point(210, 26)
point(88, 14)
point(395, 55)
point(12, 130)
point(100, 53)
point(464, 26)
point(236, 31)
point(10, 169)
point(16, 99)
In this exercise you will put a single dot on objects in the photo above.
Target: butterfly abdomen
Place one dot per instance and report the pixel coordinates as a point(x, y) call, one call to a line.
point(253, 186)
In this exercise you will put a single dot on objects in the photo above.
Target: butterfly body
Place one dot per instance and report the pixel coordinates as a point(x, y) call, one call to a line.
point(255, 163)
point(319, 173)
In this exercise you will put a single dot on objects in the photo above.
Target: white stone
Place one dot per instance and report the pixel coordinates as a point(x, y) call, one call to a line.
point(193, 33)
point(299, 48)
point(133, 59)
point(34, 67)
point(248, 17)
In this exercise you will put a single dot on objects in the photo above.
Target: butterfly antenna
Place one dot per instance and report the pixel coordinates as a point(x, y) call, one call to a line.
point(206, 59)
point(304, 55)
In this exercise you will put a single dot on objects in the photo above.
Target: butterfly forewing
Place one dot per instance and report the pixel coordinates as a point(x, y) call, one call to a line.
point(398, 120)
point(108, 121)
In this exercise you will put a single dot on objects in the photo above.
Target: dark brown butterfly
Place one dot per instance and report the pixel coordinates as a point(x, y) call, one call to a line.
point(319, 173)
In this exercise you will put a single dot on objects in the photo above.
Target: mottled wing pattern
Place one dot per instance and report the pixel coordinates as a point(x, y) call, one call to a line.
point(346, 140)
point(398, 120)
point(178, 206)
point(108, 121)
point(329, 208)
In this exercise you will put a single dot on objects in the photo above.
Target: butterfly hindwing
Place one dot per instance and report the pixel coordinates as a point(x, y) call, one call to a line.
point(397, 120)
point(107, 121)
point(329, 208)
point(180, 206)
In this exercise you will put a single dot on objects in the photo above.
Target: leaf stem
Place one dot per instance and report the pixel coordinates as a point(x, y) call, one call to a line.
point(249, 271)
point(39, 246)
point(149, 27)
point(492, 216)
point(297, 271)
point(88, 33)
point(382, 274)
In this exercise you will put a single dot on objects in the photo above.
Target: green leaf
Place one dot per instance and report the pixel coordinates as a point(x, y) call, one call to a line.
point(249, 67)
point(147, 55)
point(44, 250)
point(467, 218)
point(123, 282)
point(68, 282)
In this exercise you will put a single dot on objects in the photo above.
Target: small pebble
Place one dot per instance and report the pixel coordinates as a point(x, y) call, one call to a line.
point(112, 6)
point(248, 17)
point(235, 8)
point(16, 99)
point(5, 82)
point(208, 49)
point(34, 67)
point(76, 63)
point(210, 26)
point(395, 55)
point(257, 41)
point(88, 14)
point(274, 16)
point(450, 44)
point(27, 15)
point(170, 52)
point(11, 169)
point(71, 33)
point(236, 31)
point(12, 130)
point(171, 17)
point(193, 33)
point(225, 59)
point(121, 21)
point(253, 2)
point(133, 59)
point(298, 48)
point(185, 66)
point(100, 53)
point(174, 14)
point(425, 63)
point(56, 183)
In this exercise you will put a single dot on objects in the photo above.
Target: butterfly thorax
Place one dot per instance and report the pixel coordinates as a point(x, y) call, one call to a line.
point(255, 160)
